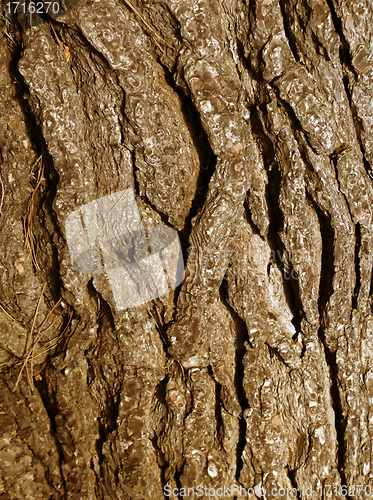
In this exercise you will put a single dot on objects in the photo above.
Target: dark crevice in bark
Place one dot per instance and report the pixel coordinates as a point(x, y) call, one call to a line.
point(162, 462)
point(163, 216)
point(344, 51)
point(327, 258)
point(20, 87)
point(320, 49)
point(340, 420)
point(290, 276)
point(160, 391)
point(260, 134)
point(274, 352)
point(268, 154)
point(333, 159)
point(294, 122)
point(249, 220)
point(356, 118)
point(177, 477)
point(302, 27)
point(104, 312)
point(175, 25)
point(349, 73)
point(292, 41)
point(358, 124)
point(52, 177)
point(164, 219)
point(160, 397)
point(218, 404)
point(160, 417)
point(244, 58)
point(357, 265)
point(52, 410)
point(207, 159)
point(242, 338)
point(190, 401)
point(326, 290)
point(124, 123)
point(161, 326)
point(294, 484)
point(107, 421)
point(291, 287)
point(48, 193)
point(348, 86)
point(202, 146)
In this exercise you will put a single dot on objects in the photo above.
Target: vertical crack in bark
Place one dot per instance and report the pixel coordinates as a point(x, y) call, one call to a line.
point(201, 144)
point(51, 269)
point(348, 85)
point(288, 31)
point(345, 55)
point(46, 231)
point(350, 78)
point(340, 421)
point(327, 261)
point(107, 423)
point(357, 265)
point(294, 484)
point(104, 313)
point(291, 287)
point(163, 464)
point(109, 406)
point(178, 474)
point(51, 407)
point(242, 337)
point(326, 290)
point(333, 159)
point(218, 405)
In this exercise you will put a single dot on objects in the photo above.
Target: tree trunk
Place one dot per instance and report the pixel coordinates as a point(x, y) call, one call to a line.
point(247, 127)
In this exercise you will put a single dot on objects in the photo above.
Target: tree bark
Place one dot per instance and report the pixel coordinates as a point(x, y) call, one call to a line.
point(247, 127)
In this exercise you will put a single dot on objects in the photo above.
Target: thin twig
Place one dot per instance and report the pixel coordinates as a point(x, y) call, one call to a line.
point(27, 221)
point(6, 312)
point(151, 30)
point(50, 312)
point(33, 353)
point(41, 333)
point(54, 341)
point(6, 32)
point(57, 37)
point(24, 364)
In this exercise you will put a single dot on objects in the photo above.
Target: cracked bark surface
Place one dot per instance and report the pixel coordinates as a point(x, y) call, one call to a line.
point(247, 127)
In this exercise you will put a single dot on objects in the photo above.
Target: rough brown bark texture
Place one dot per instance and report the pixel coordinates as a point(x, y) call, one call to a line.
point(247, 126)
